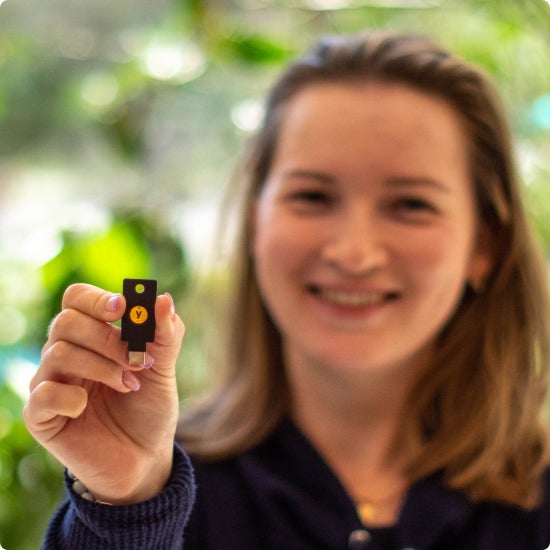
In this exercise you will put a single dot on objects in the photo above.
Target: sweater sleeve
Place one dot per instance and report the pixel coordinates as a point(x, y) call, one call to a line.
point(155, 523)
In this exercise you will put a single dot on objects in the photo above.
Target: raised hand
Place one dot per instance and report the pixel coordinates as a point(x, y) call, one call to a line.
point(110, 423)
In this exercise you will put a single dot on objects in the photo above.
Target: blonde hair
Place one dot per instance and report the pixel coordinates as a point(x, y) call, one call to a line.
point(476, 413)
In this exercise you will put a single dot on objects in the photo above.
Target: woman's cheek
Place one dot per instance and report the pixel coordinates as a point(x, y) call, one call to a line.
point(439, 268)
point(283, 239)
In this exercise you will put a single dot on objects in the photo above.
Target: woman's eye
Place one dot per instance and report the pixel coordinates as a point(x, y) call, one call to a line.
point(415, 204)
point(311, 196)
point(414, 208)
point(309, 201)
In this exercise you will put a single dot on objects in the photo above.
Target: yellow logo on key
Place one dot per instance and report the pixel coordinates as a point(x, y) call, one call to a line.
point(138, 315)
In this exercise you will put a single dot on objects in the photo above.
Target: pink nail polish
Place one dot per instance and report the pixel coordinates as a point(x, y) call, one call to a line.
point(149, 361)
point(112, 303)
point(130, 380)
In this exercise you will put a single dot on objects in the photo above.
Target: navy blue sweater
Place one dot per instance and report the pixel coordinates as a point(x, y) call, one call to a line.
point(282, 495)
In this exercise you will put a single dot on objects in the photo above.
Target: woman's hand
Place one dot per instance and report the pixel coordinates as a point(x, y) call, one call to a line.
point(110, 423)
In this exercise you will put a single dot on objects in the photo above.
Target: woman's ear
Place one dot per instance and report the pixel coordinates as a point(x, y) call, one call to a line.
point(482, 260)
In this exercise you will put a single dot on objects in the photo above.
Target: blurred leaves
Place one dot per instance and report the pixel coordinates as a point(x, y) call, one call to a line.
point(85, 259)
point(254, 48)
point(30, 480)
point(132, 246)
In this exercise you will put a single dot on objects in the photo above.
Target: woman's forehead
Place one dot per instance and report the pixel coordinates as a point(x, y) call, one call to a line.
point(354, 122)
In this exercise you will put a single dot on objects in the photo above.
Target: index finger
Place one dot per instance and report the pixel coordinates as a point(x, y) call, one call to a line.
point(95, 302)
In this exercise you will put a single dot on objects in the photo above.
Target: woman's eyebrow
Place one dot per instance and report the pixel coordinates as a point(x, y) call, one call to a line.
point(412, 181)
point(321, 177)
point(394, 181)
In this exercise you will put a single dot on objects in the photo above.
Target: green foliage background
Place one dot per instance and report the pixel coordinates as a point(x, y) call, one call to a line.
point(87, 121)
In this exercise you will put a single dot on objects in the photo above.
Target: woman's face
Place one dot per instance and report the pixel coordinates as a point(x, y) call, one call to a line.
point(365, 232)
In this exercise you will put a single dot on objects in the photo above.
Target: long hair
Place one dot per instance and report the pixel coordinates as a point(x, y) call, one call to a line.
point(476, 412)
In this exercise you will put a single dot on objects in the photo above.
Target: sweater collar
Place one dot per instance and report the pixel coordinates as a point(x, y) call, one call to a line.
point(431, 511)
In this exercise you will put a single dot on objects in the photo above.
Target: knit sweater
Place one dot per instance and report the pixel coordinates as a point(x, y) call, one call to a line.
point(282, 495)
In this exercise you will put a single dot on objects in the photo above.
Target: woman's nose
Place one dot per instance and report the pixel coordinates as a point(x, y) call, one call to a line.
point(356, 242)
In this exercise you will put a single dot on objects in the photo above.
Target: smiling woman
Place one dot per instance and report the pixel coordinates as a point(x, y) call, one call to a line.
point(388, 353)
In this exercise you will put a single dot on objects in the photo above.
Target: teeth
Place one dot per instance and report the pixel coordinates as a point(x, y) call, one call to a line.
point(353, 299)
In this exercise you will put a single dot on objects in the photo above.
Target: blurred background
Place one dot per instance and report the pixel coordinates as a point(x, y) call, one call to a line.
point(120, 122)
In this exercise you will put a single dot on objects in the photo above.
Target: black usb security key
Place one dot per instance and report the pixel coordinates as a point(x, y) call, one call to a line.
point(138, 321)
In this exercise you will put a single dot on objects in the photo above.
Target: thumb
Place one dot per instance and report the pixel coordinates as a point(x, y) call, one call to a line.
point(168, 334)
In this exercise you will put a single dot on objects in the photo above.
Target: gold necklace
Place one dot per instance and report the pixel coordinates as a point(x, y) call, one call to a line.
point(368, 509)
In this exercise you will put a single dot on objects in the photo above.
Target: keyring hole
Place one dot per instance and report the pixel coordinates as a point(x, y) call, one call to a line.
point(140, 288)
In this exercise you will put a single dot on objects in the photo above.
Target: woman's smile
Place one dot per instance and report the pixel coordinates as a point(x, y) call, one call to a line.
point(338, 304)
point(352, 299)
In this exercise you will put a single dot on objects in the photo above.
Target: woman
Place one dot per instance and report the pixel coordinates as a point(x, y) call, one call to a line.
point(388, 359)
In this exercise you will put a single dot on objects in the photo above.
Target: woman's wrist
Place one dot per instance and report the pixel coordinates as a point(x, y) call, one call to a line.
point(153, 483)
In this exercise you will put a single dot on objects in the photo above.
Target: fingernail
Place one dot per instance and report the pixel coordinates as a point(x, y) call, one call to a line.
point(172, 305)
point(112, 303)
point(149, 361)
point(130, 380)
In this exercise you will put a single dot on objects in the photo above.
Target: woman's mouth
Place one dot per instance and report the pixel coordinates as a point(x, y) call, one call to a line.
point(352, 298)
